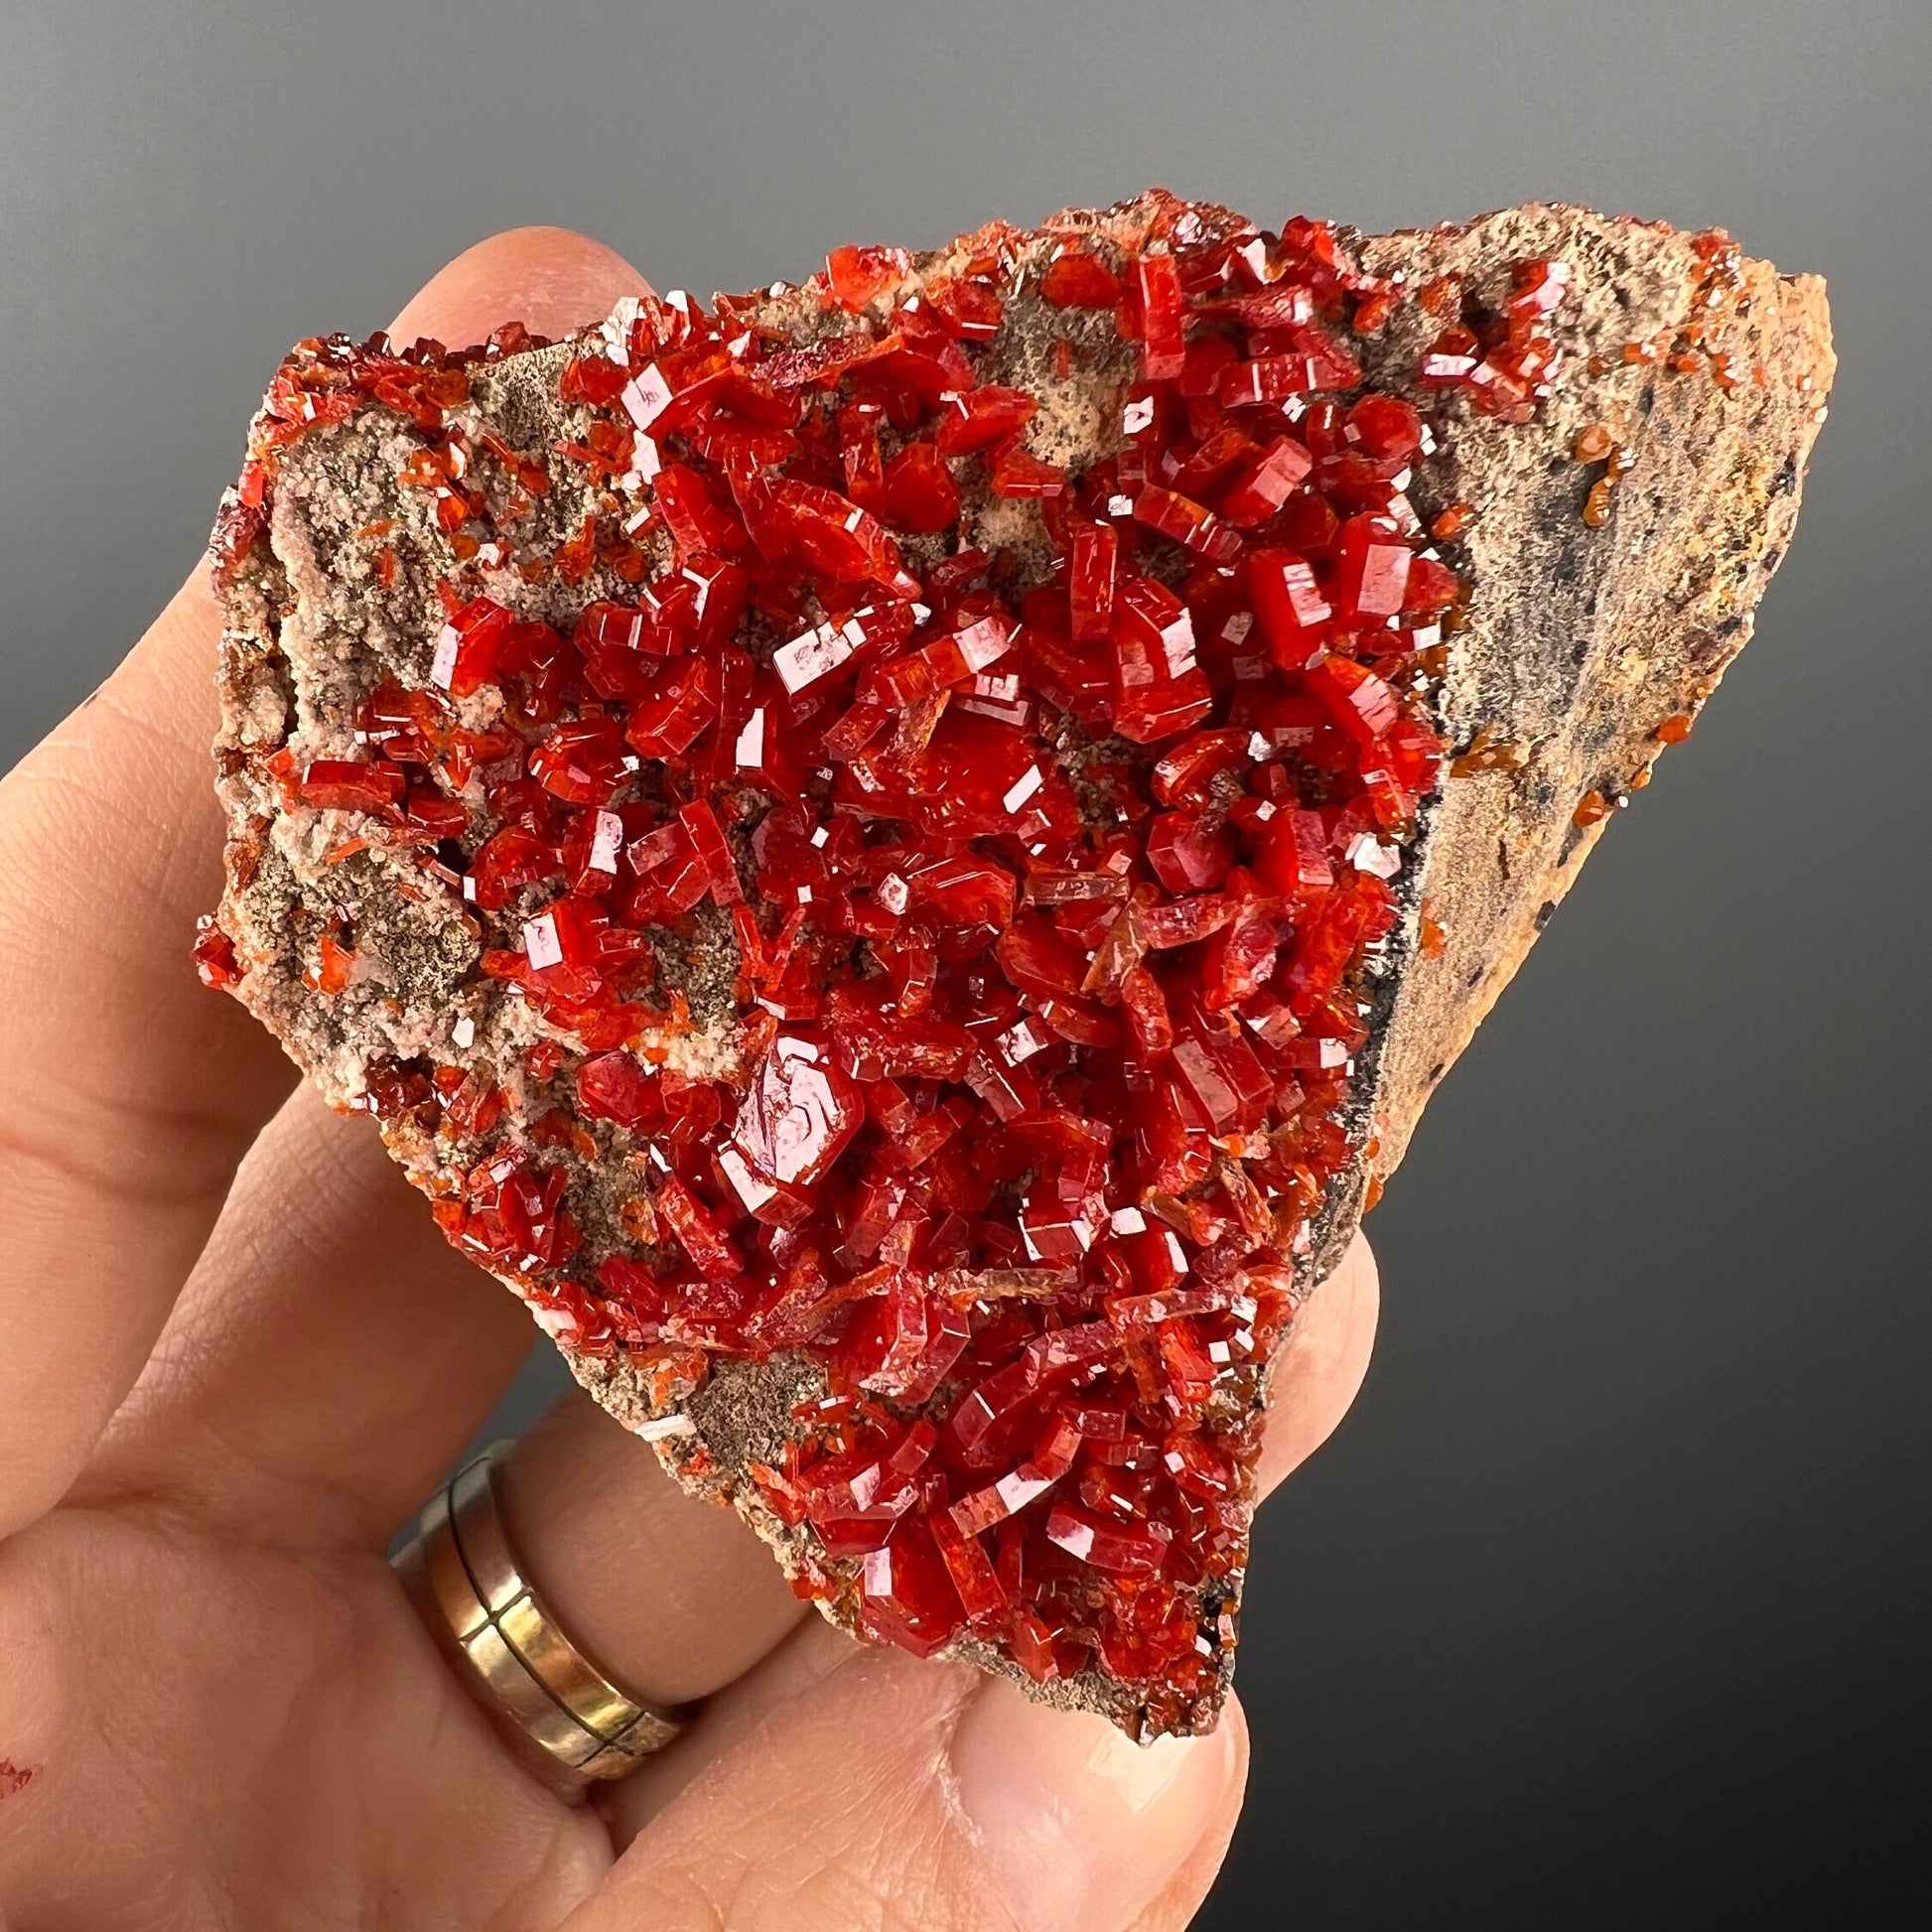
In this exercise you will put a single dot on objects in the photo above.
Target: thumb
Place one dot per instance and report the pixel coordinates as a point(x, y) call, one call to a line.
point(551, 280)
point(900, 1793)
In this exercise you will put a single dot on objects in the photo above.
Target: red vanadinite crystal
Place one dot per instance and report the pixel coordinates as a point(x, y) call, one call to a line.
point(214, 955)
point(1052, 896)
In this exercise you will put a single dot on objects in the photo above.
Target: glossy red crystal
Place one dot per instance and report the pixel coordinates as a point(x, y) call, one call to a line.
point(799, 1115)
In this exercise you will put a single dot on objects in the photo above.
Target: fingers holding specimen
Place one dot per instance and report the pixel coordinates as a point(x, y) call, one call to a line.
point(132, 1093)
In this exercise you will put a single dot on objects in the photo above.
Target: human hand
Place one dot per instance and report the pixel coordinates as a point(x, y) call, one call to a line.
point(235, 1353)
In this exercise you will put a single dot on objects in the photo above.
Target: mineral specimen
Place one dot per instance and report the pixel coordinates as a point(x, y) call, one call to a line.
point(898, 856)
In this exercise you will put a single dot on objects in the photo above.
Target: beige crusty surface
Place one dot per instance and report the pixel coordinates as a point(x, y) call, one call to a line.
point(1580, 641)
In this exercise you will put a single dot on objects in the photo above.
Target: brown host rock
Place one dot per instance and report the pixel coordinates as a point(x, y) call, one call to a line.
point(900, 856)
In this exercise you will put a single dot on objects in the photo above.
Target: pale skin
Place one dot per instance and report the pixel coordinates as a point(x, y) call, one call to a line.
point(236, 1355)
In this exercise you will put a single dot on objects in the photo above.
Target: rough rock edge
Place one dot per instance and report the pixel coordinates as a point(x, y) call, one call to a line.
point(1581, 642)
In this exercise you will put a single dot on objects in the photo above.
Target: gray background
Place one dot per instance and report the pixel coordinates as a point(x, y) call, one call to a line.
point(1610, 1603)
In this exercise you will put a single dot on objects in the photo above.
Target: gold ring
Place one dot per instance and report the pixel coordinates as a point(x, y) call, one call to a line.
point(459, 1564)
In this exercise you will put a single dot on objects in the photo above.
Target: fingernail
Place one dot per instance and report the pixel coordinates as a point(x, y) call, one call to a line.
point(1081, 1827)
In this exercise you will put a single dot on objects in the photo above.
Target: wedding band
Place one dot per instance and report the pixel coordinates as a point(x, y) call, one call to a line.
point(460, 1568)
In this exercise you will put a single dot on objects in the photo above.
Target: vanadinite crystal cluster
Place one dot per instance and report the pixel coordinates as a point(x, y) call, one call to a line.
point(857, 831)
